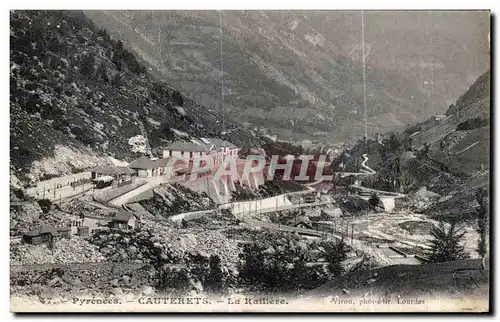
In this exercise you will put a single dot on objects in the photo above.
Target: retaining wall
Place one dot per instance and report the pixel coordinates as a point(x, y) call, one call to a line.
point(259, 205)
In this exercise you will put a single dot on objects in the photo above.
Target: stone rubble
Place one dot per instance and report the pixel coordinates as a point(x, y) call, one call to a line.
point(74, 250)
point(164, 246)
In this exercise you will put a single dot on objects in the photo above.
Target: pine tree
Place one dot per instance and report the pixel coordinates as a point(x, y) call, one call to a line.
point(405, 180)
point(335, 254)
point(445, 245)
point(374, 200)
point(216, 278)
point(393, 143)
point(482, 221)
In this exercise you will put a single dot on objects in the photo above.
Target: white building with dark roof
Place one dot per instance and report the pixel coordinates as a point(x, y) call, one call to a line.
point(124, 220)
point(145, 167)
point(216, 149)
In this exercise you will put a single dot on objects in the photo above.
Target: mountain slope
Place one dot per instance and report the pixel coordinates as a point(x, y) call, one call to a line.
point(461, 141)
point(77, 95)
point(450, 155)
point(300, 73)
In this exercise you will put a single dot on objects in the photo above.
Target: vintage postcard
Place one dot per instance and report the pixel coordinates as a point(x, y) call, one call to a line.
point(249, 161)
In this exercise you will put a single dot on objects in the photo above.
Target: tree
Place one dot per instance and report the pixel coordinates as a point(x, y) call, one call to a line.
point(87, 65)
point(102, 73)
point(216, 281)
point(374, 200)
point(405, 180)
point(482, 221)
point(383, 154)
point(177, 97)
point(393, 143)
point(407, 143)
point(424, 153)
point(445, 244)
point(335, 254)
point(117, 80)
point(277, 263)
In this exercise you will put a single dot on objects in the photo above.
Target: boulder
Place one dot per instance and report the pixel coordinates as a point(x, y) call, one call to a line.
point(56, 281)
point(147, 290)
point(117, 291)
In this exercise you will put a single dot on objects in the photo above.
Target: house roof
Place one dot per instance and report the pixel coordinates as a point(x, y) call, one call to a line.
point(43, 230)
point(162, 162)
point(187, 146)
point(123, 216)
point(105, 178)
point(143, 163)
point(113, 170)
point(203, 145)
point(219, 143)
point(304, 224)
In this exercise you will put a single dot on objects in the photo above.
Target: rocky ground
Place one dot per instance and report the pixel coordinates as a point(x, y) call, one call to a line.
point(176, 257)
point(169, 200)
point(28, 215)
point(74, 250)
point(85, 280)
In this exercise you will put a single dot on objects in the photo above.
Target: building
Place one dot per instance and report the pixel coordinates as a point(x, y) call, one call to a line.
point(225, 149)
point(164, 167)
point(217, 150)
point(188, 150)
point(440, 117)
point(303, 225)
point(83, 231)
point(145, 167)
point(118, 175)
point(124, 220)
point(64, 232)
point(46, 235)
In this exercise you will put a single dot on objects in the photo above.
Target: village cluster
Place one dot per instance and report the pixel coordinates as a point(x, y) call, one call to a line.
point(213, 150)
point(113, 177)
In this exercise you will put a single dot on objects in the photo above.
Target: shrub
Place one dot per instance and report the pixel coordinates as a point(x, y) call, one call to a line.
point(87, 65)
point(45, 204)
point(177, 97)
point(278, 264)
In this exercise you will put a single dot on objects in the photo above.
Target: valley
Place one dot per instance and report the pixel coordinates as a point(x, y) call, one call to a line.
point(130, 180)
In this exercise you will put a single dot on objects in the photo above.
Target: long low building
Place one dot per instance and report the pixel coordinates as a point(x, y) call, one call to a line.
point(217, 150)
point(147, 167)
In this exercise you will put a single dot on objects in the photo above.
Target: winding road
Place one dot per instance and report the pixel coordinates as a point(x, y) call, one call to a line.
point(364, 168)
point(364, 171)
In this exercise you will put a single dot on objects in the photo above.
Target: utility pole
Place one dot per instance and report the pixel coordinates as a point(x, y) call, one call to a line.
point(364, 74)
